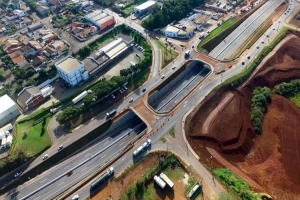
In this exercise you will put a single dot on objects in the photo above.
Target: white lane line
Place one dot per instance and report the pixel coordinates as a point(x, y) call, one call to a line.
point(43, 180)
point(106, 142)
point(86, 155)
point(60, 183)
point(103, 156)
point(121, 143)
point(83, 169)
point(66, 167)
point(37, 197)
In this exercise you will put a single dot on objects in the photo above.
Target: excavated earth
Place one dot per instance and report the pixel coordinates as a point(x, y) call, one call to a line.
point(271, 159)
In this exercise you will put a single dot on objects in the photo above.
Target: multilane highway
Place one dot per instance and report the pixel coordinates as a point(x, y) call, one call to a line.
point(58, 179)
point(232, 42)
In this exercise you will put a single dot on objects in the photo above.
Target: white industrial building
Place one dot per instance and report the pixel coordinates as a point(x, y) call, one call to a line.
point(178, 31)
point(100, 19)
point(144, 8)
point(8, 110)
point(71, 70)
point(114, 48)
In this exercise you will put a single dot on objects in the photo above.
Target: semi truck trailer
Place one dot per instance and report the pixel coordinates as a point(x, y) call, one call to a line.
point(159, 182)
point(167, 180)
point(105, 176)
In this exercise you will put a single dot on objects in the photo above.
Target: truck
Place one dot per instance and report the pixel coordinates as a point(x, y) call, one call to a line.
point(9, 141)
point(187, 53)
point(167, 180)
point(159, 182)
point(3, 143)
point(202, 35)
point(80, 97)
point(111, 113)
point(194, 191)
point(105, 176)
point(142, 147)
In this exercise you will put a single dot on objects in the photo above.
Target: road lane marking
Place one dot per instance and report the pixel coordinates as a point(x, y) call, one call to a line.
point(83, 169)
point(66, 167)
point(43, 180)
point(121, 143)
point(103, 156)
point(37, 198)
point(106, 142)
point(60, 183)
point(86, 155)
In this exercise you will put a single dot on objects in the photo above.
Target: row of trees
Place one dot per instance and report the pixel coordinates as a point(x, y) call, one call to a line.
point(288, 89)
point(261, 96)
point(170, 11)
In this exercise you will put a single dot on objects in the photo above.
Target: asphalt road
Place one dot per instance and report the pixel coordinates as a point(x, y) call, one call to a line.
point(232, 42)
point(178, 92)
point(81, 165)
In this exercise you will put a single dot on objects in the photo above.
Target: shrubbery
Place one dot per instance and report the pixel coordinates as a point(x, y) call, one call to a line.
point(288, 89)
point(235, 184)
point(260, 98)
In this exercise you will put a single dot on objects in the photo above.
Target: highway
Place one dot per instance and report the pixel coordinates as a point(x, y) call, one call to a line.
point(165, 102)
point(53, 182)
point(189, 104)
point(232, 42)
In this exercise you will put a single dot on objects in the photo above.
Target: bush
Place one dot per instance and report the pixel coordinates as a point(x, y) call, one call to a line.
point(260, 98)
point(288, 89)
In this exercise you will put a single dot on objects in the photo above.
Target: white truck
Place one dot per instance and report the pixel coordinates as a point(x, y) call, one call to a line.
point(81, 96)
point(142, 147)
point(105, 176)
point(159, 182)
point(9, 141)
point(3, 143)
point(167, 180)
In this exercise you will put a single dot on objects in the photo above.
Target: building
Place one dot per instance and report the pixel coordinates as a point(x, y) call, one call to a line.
point(144, 8)
point(43, 10)
point(34, 27)
point(178, 31)
point(19, 13)
point(71, 70)
point(8, 110)
point(100, 19)
point(114, 48)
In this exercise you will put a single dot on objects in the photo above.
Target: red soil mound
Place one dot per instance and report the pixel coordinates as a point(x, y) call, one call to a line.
point(272, 158)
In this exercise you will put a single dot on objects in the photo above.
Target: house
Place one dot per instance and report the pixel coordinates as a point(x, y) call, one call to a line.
point(73, 25)
point(26, 20)
point(76, 30)
point(16, 57)
point(35, 45)
point(44, 32)
point(38, 60)
point(85, 33)
point(35, 26)
point(57, 45)
point(29, 97)
point(48, 51)
point(42, 10)
point(19, 13)
point(10, 46)
point(14, 4)
point(50, 39)
point(55, 2)
point(24, 64)
point(93, 30)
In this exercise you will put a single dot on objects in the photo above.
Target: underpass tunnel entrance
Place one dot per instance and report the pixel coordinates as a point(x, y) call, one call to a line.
point(174, 89)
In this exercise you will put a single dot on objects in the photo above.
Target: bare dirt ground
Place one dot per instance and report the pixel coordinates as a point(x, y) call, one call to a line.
point(271, 159)
point(116, 189)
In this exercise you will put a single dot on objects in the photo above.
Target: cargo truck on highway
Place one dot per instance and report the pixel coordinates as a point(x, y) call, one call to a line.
point(3, 143)
point(142, 147)
point(111, 113)
point(167, 180)
point(159, 182)
point(105, 176)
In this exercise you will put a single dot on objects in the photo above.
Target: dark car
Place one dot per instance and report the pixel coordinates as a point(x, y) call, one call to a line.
point(144, 90)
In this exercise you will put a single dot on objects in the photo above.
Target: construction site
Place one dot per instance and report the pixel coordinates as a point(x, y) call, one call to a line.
point(221, 127)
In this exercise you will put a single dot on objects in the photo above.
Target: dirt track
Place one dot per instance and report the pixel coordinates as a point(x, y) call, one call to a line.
point(271, 159)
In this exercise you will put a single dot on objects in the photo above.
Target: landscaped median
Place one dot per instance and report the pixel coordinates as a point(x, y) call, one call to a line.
point(167, 54)
point(58, 157)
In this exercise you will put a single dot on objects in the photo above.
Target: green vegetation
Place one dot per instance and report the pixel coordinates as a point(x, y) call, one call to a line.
point(189, 186)
point(172, 132)
point(290, 90)
point(130, 7)
point(240, 78)
point(139, 190)
point(32, 139)
point(224, 196)
point(215, 33)
point(59, 18)
point(235, 184)
point(163, 139)
point(170, 11)
point(12, 30)
point(53, 160)
point(260, 98)
point(168, 55)
point(253, 38)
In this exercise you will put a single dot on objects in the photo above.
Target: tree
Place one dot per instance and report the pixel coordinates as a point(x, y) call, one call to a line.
point(124, 72)
point(31, 81)
point(85, 51)
point(2, 75)
point(88, 100)
point(30, 72)
point(20, 82)
point(42, 73)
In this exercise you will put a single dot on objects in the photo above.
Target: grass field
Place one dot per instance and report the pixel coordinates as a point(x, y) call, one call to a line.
point(215, 32)
point(296, 100)
point(168, 55)
point(172, 132)
point(130, 8)
point(36, 139)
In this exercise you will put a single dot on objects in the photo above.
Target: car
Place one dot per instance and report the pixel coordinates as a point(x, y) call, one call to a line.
point(76, 197)
point(144, 90)
point(130, 100)
point(60, 147)
point(163, 76)
point(125, 87)
point(113, 96)
point(120, 91)
point(45, 156)
point(174, 67)
point(18, 174)
point(120, 15)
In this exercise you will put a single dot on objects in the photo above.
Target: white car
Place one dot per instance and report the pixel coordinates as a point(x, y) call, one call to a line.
point(130, 100)
point(60, 147)
point(76, 197)
point(45, 156)
point(113, 96)
point(174, 67)
point(163, 76)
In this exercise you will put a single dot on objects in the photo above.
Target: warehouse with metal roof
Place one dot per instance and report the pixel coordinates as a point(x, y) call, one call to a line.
point(144, 8)
point(8, 110)
point(100, 19)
